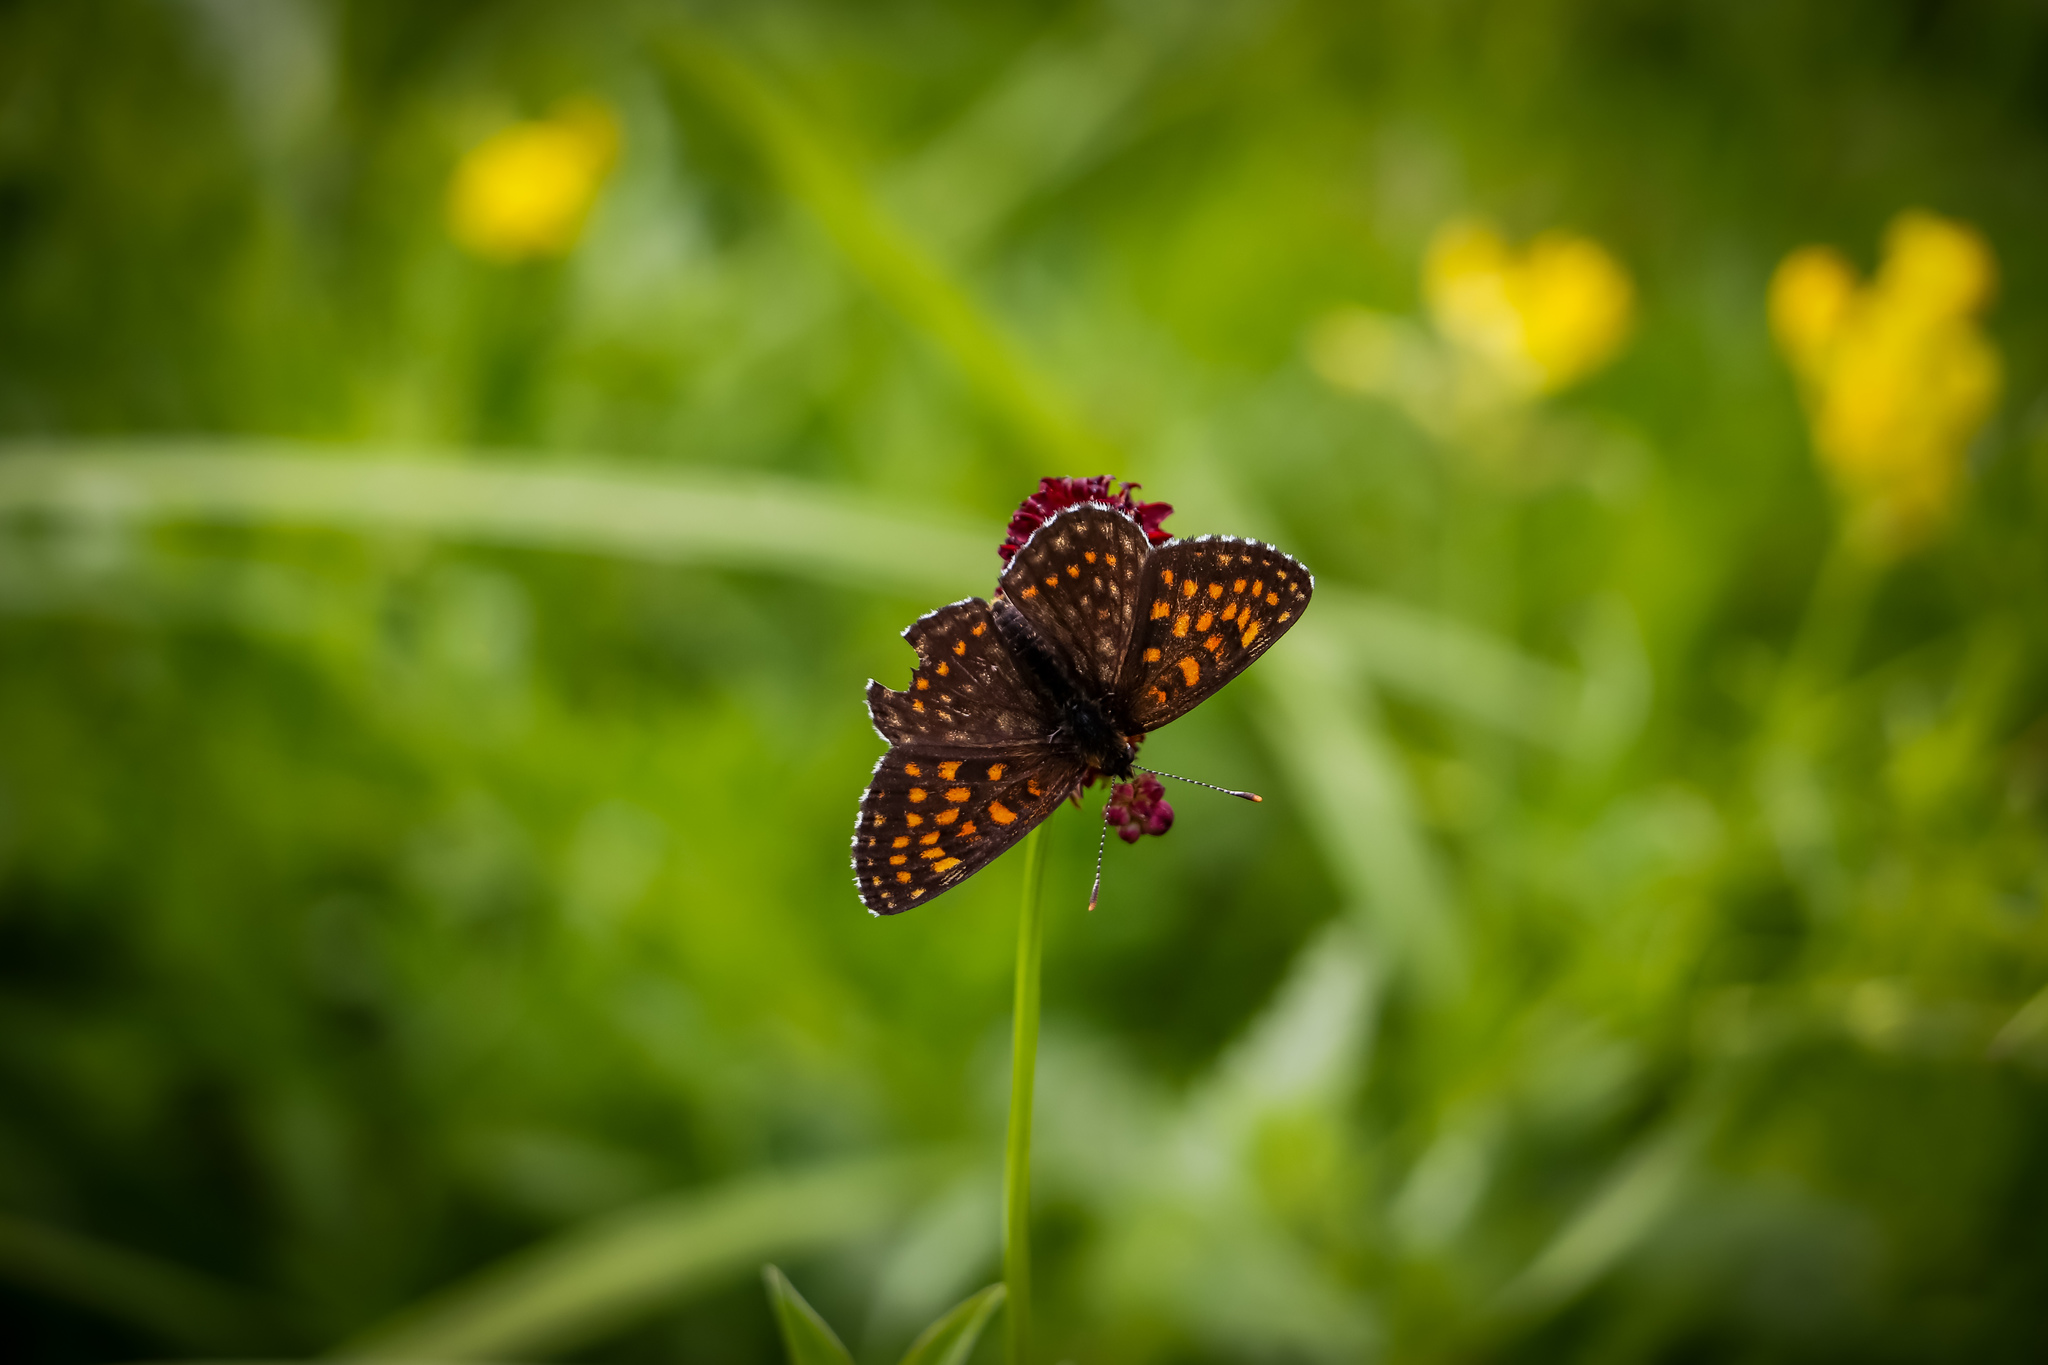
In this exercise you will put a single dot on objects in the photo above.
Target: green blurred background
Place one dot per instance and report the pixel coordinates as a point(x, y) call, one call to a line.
point(430, 679)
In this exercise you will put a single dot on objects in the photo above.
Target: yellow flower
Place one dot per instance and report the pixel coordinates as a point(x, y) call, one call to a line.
point(1897, 375)
point(524, 191)
point(1543, 318)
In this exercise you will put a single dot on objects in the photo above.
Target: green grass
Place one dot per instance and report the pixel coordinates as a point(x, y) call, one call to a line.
point(430, 696)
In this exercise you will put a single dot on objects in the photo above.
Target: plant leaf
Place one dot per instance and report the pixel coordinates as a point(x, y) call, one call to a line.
point(809, 1339)
point(950, 1340)
point(596, 1279)
point(829, 534)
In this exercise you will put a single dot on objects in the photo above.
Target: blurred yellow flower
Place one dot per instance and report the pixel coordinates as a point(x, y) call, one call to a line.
point(1543, 318)
point(1897, 375)
point(524, 191)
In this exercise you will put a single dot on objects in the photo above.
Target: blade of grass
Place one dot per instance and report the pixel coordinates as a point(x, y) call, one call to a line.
point(596, 1279)
point(951, 1339)
point(745, 523)
point(880, 251)
point(832, 535)
point(1446, 663)
point(183, 1308)
point(1641, 1191)
point(807, 1337)
point(1358, 803)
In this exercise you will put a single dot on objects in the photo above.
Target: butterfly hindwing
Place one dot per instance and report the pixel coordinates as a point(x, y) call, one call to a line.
point(1211, 606)
point(1076, 582)
point(966, 690)
point(933, 817)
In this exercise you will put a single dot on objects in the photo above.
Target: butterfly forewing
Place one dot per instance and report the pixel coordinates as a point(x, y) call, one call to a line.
point(1210, 607)
point(933, 817)
point(966, 690)
point(1076, 582)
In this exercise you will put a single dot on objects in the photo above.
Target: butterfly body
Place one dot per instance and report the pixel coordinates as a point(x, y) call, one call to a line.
point(1095, 640)
point(1082, 721)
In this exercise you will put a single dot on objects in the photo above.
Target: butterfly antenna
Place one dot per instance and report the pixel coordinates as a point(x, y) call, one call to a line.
point(1101, 842)
point(1242, 796)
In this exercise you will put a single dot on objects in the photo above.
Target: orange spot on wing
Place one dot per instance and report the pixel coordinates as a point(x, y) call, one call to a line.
point(1074, 570)
point(979, 627)
point(946, 865)
point(1180, 624)
point(1088, 555)
point(1238, 586)
point(1216, 589)
point(930, 839)
point(1187, 587)
point(1258, 586)
point(1166, 577)
point(1112, 560)
point(966, 830)
point(916, 705)
point(924, 684)
point(913, 770)
point(881, 820)
point(995, 772)
point(957, 794)
point(944, 668)
point(948, 768)
point(1250, 631)
point(916, 891)
point(902, 876)
point(959, 647)
point(913, 819)
point(1161, 696)
point(1001, 813)
point(1028, 592)
point(1052, 580)
point(933, 853)
point(1160, 609)
point(1272, 599)
point(1212, 642)
point(1230, 612)
point(1207, 618)
point(1285, 617)
point(1190, 670)
point(1151, 656)
point(947, 817)
point(1031, 786)
point(901, 841)
point(916, 794)
point(899, 859)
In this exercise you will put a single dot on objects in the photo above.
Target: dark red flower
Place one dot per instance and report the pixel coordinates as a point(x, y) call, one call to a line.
point(1138, 808)
point(1055, 494)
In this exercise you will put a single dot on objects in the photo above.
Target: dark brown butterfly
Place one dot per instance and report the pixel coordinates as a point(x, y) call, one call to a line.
point(1095, 639)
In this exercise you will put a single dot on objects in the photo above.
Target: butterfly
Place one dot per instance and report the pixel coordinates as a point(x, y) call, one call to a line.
point(1095, 639)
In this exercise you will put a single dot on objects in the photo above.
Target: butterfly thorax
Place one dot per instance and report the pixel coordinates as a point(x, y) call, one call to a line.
point(1082, 723)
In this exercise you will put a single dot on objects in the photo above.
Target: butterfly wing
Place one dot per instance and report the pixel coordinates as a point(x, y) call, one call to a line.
point(966, 691)
point(1210, 607)
point(933, 817)
point(1076, 583)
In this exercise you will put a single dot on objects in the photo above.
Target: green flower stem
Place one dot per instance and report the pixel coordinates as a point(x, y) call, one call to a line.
point(1023, 1066)
point(1829, 633)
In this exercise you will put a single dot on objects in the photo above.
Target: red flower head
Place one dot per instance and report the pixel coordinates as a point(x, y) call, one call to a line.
point(1054, 495)
point(1138, 808)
